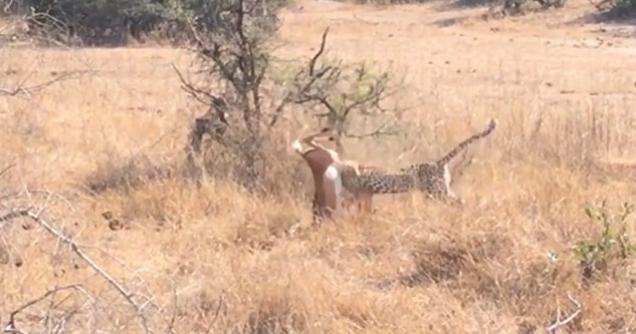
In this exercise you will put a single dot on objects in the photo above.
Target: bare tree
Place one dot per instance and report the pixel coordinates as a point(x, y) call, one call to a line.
point(343, 91)
point(234, 63)
point(235, 60)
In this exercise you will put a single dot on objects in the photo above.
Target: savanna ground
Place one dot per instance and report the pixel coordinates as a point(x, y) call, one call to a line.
point(216, 258)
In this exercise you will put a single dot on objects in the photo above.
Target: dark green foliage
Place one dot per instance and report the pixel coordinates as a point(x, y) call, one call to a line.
point(113, 22)
point(623, 7)
point(211, 14)
point(97, 21)
point(522, 6)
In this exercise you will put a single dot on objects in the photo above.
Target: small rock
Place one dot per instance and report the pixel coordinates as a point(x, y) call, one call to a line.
point(115, 225)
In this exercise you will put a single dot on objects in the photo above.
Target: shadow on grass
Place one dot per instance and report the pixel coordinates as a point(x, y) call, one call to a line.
point(469, 4)
point(613, 23)
point(468, 9)
point(612, 17)
point(448, 5)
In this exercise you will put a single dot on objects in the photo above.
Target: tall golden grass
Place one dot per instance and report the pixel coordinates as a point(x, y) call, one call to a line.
point(216, 258)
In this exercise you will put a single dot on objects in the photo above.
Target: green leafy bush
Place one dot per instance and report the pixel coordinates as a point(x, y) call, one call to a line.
point(613, 243)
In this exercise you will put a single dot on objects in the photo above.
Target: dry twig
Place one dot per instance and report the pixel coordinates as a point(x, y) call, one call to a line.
point(7, 6)
point(6, 169)
point(341, 91)
point(197, 93)
point(24, 89)
point(552, 329)
point(128, 296)
point(379, 131)
point(11, 324)
point(217, 312)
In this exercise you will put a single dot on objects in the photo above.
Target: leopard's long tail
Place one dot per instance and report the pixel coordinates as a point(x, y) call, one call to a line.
point(461, 146)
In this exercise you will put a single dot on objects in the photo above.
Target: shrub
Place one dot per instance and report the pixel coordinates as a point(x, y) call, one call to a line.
point(97, 21)
point(519, 6)
point(113, 22)
point(613, 243)
point(622, 7)
point(234, 66)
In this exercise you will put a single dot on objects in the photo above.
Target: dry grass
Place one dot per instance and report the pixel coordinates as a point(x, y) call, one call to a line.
point(246, 263)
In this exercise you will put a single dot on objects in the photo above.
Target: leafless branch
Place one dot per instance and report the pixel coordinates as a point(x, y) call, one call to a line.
point(29, 192)
point(173, 316)
point(299, 94)
point(6, 169)
point(235, 57)
point(46, 22)
point(11, 216)
point(341, 90)
point(128, 296)
point(60, 325)
point(373, 96)
point(552, 329)
point(599, 5)
point(323, 42)
point(11, 327)
point(23, 88)
point(380, 131)
point(191, 90)
point(7, 6)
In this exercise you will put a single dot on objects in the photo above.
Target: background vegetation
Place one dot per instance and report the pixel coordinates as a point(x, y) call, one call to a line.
point(96, 140)
point(116, 22)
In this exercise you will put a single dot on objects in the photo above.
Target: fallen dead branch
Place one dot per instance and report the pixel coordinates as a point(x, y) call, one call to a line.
point(128, 296)
point(23, 88)
point(11, 324)
point(552, 329)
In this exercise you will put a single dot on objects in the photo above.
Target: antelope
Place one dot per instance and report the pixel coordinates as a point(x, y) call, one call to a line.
point(327, 169)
